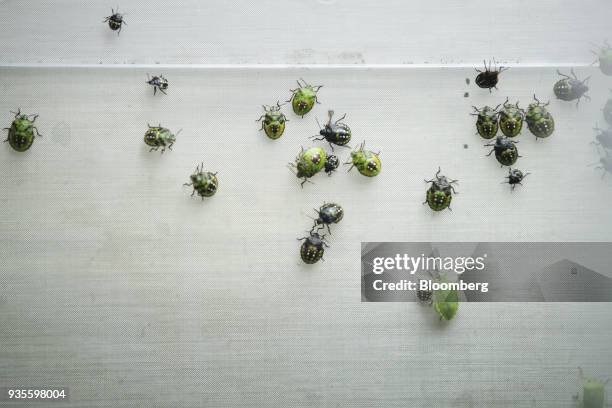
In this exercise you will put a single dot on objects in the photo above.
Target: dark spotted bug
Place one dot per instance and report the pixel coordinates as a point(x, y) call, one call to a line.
point(304, 97)
point(489, 77)
point(204, 183)
point(327, 214)
point(367, 162)
point(539, 120)
point(607, 111)
point(308, 163)
point(511, 119)
point(158, 82)
point(424, 296)
point(515, 177)
point(313, 248)
point(505, 150)
point(335, 133)
point(486, 122)
point(273, 121)
point(115, 21)
point(331, 164)
point(603, 138)
point(22, 132)
point(159, 137)
point(604, 57)
point(570, 88)
point(440, 193)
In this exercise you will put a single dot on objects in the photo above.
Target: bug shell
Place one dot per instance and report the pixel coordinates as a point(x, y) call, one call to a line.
point(273, 122)
point(337, 132)
point(204, 183)
point(446, 302)
point(313, 248)
point(605, 59)
point(331, 164)
point(367, 162)
point(159, 137)
point(21, 133)
point(304, 97)
point(511, 119)
point(607, 111)
point(604, 138)
point(505, 150)
point(570, 88)
point(329, 213)
point(593, 392)
point(486, 122)
point(440, 193)
point(539, 120)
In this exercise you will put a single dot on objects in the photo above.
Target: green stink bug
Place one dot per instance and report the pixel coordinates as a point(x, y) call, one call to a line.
point(505, 150)
point(308, 163)
point(593, 392)
point(445, 301)
point(511, 119)
point(159, 137)
point(367, 162)
point(304, 97)
point(604, 56)
point(486, 123)
point(22, 131)
point(539, 121)
point(273, 121)
point(440, 193)
point(203, 182)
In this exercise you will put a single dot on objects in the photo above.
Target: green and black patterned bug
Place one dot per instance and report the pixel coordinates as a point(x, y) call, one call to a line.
point(331, 164)
point(489, 77)
point(159, 137)
point(539, 121)
point(570, 88)
point(511, 119)
point(273, 121)
point(308, 163)
point(22, 132)
point(486, 122)
point(158, 82)
point(115, 21)
point(515, 177)
point(313, 248)
point(440, 193)
point(505, 150)
point(203, 182)
point(304, 97)
point(335, 133)
point(327, 214)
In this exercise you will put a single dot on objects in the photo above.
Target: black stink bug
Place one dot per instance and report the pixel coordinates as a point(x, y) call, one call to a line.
point(115, 21)
point(505, 150)
point(511, 119)
point(328, 213)
point(159, 137)
point(489, 77)
point(571, 88)
point(204, 183)
point(158, 82)
point(22, 132)
point(486, 123)
point(313, 248)
point(539, 121)
point(331, 164)
point(335, 133)
point(304, 97)
point(514, 177)
point(273, 121)
point(440, 193)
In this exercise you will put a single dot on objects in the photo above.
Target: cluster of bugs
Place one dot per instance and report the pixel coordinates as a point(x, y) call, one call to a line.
point(445, 302)
point(313, 245)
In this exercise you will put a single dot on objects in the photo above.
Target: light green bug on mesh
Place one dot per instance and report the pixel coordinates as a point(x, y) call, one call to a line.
point(367, 162)
point(159, 137)
point(308, 163)
point(445, 302)
point(593, 392)
point(22, 132)
point(304, 97)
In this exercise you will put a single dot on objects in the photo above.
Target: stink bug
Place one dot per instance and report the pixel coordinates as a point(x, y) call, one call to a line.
point(115, 21)
point(335, 133)
point(304, 97)
point(158, 82)
point(489, 77)
point(327, 214)
point(593, 392)
point(22, 132)
point(511, 119)
point(515, 176)
point(273, 121)
point(571, 88)
point(203, 182)
point(539, 121)
point(367, 162)
point(440, 193)
point(308, 163)
point(331, 164)
point(605, 164)
point(604, 56)
point(505, 150)
point(486, 123)
point(603, 138)
point(445, 301)
point(159, 137)
point(313, 248)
